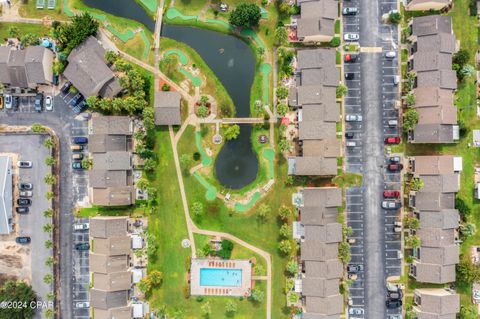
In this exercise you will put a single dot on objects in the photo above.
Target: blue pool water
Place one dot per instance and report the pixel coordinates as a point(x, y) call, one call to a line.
point(220, 277)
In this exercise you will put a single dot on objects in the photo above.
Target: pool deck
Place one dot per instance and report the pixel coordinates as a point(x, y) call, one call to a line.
point(243, 290)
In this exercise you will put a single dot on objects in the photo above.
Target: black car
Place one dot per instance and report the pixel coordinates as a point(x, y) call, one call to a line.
point(22, 210)
point(349, 135)
point(349, 76)
point(354, 268)
point(23, 240)
point(24, 202)
point(66, 87)
point(15, 102)
point(76, 100)
point(39, 102)
point(25, 186)
point(392, 304)
point(82, 246)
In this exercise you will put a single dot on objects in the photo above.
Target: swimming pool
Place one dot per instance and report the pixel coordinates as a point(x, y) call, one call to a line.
point(222, 277)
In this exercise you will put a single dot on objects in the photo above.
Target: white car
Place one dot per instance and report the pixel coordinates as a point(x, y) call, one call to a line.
point(390, 55)
point(8, 101)
point(351, 37)
point(356, 311)
point(393, 123)
point(26, 193)
point(49, 103)
point(353, 118)
point(81, 226)
point(396, 80)
point(82, 304)
point(351, 144)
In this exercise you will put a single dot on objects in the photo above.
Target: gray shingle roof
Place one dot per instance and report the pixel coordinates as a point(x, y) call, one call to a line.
point(436, 237)
point(38, 65)
point(327, 76)
point(329, 306)
point(315, 58)
point(433, 164)
point(104, 227)
point(113, 196)
point(437, 302)
point(434, 201)
point(112, 246)
point(330, 233)
point(322, 197)
point(113, 125)
point(99, 178)
point(445, 183)
point(113, 281)
point(445, 219)
point(329, 269)
point(320, 112)
point(105, 300)
point(104, 264)
point(167, 108)
point(433, 133)
point(305, 166)
point(447, 255)
point(319, 287)
point(315, 251)
point(318, 215)
point(114, 313)
point(115, 160)
point(315, 26)
point(442, 42)
point(327, 148)
point(101, 143)
point(316, 130)
point(432, 24)
point(444, 79)
point(434, 273)
point(431, 61)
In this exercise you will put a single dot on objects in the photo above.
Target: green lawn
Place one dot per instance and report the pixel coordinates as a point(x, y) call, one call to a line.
point(29, 10)
point(23, 28)
point(167, 223)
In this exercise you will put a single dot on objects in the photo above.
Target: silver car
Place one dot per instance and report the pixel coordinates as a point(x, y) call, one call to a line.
point(353, 118)
point(390, 55)
point(351, 37)
point(26, 193)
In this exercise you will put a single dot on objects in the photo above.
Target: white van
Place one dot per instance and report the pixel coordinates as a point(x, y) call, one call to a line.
point(396, 79)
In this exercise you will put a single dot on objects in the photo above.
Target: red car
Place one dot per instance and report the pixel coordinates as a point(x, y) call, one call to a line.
point(393, 140)
point(391, 194)
point(395, 167)
point(350, 58)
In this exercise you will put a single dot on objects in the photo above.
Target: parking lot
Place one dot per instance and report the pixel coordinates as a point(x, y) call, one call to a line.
point(81, 272)
point(30, 148)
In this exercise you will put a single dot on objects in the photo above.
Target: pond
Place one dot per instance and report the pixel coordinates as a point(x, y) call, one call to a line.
point(232, 60)
point(129, 9)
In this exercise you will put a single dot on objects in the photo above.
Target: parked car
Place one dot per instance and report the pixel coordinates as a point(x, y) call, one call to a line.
point(349, 11)
point(391, 194)
point(350, 58)
point(386, 204)
point(356, 311)
point(65, 87)
point(1, 102)
point(55, 79)
point(8, 101)
point(49, 103)
point(396, 79)
point(81, 226)
point(39, 102)
point(353, 118)
point(77, 148)
point(349, 135)
point(351, 37)
point(393, 140)
point(26, 193)
point(349, 76)
point(25, 186)
point(23, 240)
point(354, 268)
point(77, 156)
point(80, 140)
point(391, 304)
point(15, 102)
point(392, 287)
point(77, 165)
point(395, 159)
point(390, 54)
point(24, 202)
point(75, 100)
point(351, 143)
point(394, 295)
point(22, 210)
point(82, 304)
point(24, 164)
point(393, 123)
point(82, 246)
point(394, 167)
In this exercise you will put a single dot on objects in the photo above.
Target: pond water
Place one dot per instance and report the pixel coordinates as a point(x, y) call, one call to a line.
point(233, 62)
point(129, 9)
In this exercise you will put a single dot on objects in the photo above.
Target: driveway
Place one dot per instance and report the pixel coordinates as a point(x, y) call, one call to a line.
point(61, 120)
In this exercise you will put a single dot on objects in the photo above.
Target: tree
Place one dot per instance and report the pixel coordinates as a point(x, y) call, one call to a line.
point(50, 296)
point(49, 179)
point(226, 249)
point(335, 42)
point(281, 35)
point(416, 183)
point(21, 293)
point(142, 183)
point(285, 231)
point(292, 267)
point(283, 145)
point(149, 164)
point(282, 92)
point(48, 213)
point(467, 272)
point(462, 207)
point(48, 313)
point(48, 142)
point(257, 295)
point(285, 247)
point(395, 18)
point(261, 51)
point(50, 161)
point(341, 90)
point(155, 277)
point(262, 212)
point(148, 115)
point(468, 230)
point(111, 57)
point(344, 252)
point(410, 99)
point(412, 241)
point(232, 132)
point(202, 111)
point(284, 213)
point(38, 128)
point(13, 32)
point(72, 34)
point(245, 15)
point(49, 261)
point(49, 195)
point(282, 109)
point(197, 209)
point(411, 223)
point(48, 228)
point(410, 119)
point(48, 279)
point(48, 244)
point(258, 269)
point(87, 163)
point(29, 39)
point(206, 309)
point(231, 307)
point(461, 57)
point(185, 163)
point(284, 9)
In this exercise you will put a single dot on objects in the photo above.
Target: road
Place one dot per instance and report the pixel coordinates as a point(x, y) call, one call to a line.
point(372, 94)
point(60, 121)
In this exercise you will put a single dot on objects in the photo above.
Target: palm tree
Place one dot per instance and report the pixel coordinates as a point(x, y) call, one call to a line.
point(48, 213)
point(48, 279)
point(48, 228)
point(48, 244)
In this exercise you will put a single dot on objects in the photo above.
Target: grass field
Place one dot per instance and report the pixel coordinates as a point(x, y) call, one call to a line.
point(23, 28)
point(29, 10)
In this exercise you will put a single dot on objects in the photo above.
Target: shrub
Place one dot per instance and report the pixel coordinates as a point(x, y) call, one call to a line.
point(226, 249)
point(282, 92)
point(196, 156)
point(245, 15)
point(282, 109)
point(462, 207)
point(335, 42)
point(394, 18)
point(410, 119)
